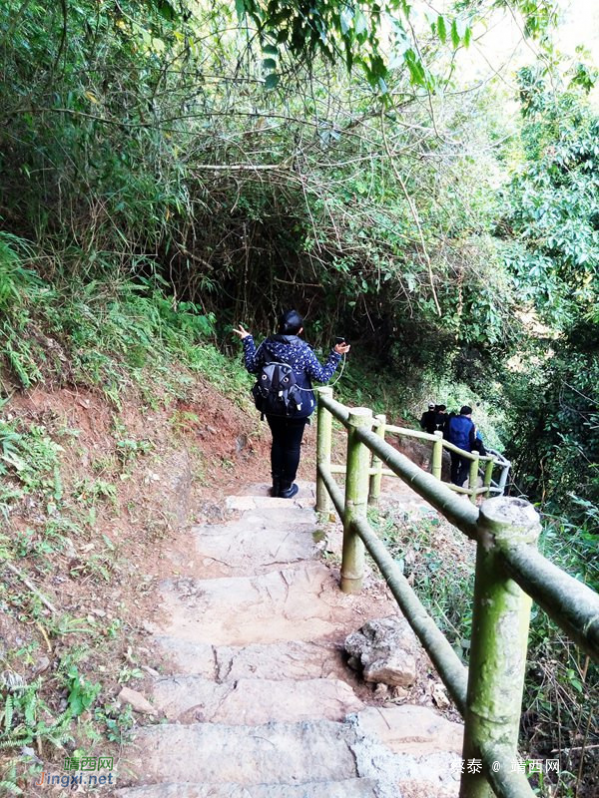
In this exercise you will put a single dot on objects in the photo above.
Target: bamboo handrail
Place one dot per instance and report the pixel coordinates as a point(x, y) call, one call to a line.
point(337, 468)
point(436, 493)
point(533, 572)
point(572, 605)
point(509, 573)
point(427, 436)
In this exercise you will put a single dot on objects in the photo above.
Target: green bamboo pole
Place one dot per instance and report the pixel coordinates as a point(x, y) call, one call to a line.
point(574, 607)
point(488, 477)
point(335, 492)
point(376, 478)
point(323, 449)
point(437, 455)
point(356, 500)
point(473, 479)
point(499, 639)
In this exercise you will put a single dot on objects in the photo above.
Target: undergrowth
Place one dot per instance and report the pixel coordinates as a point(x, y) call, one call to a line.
point(103, 334)
point(48, 535)
point(102, 338)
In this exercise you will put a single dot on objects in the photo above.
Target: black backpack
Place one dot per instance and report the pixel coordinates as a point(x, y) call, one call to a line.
point(276, 392)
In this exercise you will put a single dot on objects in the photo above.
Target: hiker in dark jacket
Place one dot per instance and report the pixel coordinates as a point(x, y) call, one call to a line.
point(428, 420)
point(461, 432)
point(442, 418)
point(287, 431)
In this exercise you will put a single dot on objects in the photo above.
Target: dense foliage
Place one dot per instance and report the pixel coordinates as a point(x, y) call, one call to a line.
point(147, 139)
point(554, 223)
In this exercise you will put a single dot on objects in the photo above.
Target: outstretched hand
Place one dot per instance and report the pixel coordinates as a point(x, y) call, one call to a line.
point(241, 332)
point(342, 349)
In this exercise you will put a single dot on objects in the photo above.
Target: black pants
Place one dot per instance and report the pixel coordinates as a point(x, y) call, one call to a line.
point(460, 468)
point(287, 436)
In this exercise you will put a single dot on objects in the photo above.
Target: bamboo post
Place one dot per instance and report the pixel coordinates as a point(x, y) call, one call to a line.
point(488, 477)
point(473, 478)
point(356, 500)
point(437, 455)
point(376, 478)
point(499, 640)
point(323, 449)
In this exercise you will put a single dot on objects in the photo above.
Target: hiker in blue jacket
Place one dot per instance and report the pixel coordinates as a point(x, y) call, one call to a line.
point(287, 430)
point(461, 432)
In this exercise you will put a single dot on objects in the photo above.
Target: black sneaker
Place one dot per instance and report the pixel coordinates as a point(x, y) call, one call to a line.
point(288, 492)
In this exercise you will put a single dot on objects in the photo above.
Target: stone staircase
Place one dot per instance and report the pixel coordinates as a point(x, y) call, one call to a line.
point(260, 703)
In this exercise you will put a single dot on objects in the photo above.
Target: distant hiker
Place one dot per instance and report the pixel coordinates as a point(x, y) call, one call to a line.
point(285, 395)
point(441, 417)
point(461, 432)
point(428, 420)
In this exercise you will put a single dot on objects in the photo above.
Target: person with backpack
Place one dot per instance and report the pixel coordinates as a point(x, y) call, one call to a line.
point(461, 432)
point(428, 420)
point(286, 366)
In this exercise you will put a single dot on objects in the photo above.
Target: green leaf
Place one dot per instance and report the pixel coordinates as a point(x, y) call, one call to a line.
point(441, 29)
point(269, 63)
point(417, 73)
point(346, 19)
point(166, 10)
point(271, 81)
point(270, 49)
point(455, 36)
point(360, 23)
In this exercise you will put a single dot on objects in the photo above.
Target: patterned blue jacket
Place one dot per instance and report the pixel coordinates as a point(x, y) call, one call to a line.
point(298, 354)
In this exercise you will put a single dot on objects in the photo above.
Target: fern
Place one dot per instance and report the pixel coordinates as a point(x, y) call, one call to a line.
point(14, 742)
point(23, 703)
point(8, 712)
point(10, 787)
point(30, 708)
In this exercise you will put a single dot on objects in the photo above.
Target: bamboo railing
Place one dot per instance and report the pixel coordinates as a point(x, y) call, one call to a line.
point(479, 465)
point(510, 573)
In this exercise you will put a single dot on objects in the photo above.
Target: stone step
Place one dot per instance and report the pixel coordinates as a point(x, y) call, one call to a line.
point(257, 497)
point(176, 655)
point(189, 699)
point(255, 543)
point(270, 506)
point(276, 753)
point(290, 754)
point(411, 729)
point(287, 660)
point(351, 788)
point(300, 603)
